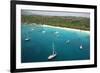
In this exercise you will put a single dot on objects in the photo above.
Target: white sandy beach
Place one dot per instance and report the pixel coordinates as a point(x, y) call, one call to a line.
point(67, 28)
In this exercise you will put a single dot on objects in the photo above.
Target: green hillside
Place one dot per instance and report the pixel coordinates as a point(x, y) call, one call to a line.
point(62, 21)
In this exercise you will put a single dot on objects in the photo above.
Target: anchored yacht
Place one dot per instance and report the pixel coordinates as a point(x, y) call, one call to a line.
point(53, 55)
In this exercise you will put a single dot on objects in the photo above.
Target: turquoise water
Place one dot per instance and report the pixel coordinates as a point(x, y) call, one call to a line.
point(39, 45)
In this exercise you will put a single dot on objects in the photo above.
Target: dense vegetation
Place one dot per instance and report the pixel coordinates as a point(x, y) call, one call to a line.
point(62, 21)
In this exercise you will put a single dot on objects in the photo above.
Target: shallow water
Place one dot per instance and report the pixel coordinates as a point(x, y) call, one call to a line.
point(66, 42)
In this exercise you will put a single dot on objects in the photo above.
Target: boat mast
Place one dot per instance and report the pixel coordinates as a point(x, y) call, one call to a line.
point(80, 41)
point(53, 48)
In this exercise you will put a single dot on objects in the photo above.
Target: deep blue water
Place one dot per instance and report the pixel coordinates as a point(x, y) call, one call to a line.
point(39, 47)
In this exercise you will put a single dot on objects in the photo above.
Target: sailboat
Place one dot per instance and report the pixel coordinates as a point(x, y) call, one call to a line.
point(27, 39)
point(53, 55)
point(67, 41)
point(27, 36)
point(81, 47)
point(43, 31)
point(32, 29)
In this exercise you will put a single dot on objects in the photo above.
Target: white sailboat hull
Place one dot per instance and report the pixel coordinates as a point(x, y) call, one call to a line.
point(51, 56)
point(81, 47)
point(27, 39)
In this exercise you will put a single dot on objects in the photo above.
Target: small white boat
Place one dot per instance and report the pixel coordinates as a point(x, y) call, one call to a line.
point(53, 55)
point(81, 47)
point(43, 31)
point(27, 39)
point(67, 41)
point(32, 29)
point(56, 32)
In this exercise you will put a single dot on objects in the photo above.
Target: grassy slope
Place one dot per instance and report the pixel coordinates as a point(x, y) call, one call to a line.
point(69, 22)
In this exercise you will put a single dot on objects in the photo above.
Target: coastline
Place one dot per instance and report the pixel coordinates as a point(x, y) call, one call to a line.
point(64, 28)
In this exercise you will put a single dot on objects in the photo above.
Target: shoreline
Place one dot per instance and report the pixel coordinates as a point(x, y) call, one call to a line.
point(64, 28)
